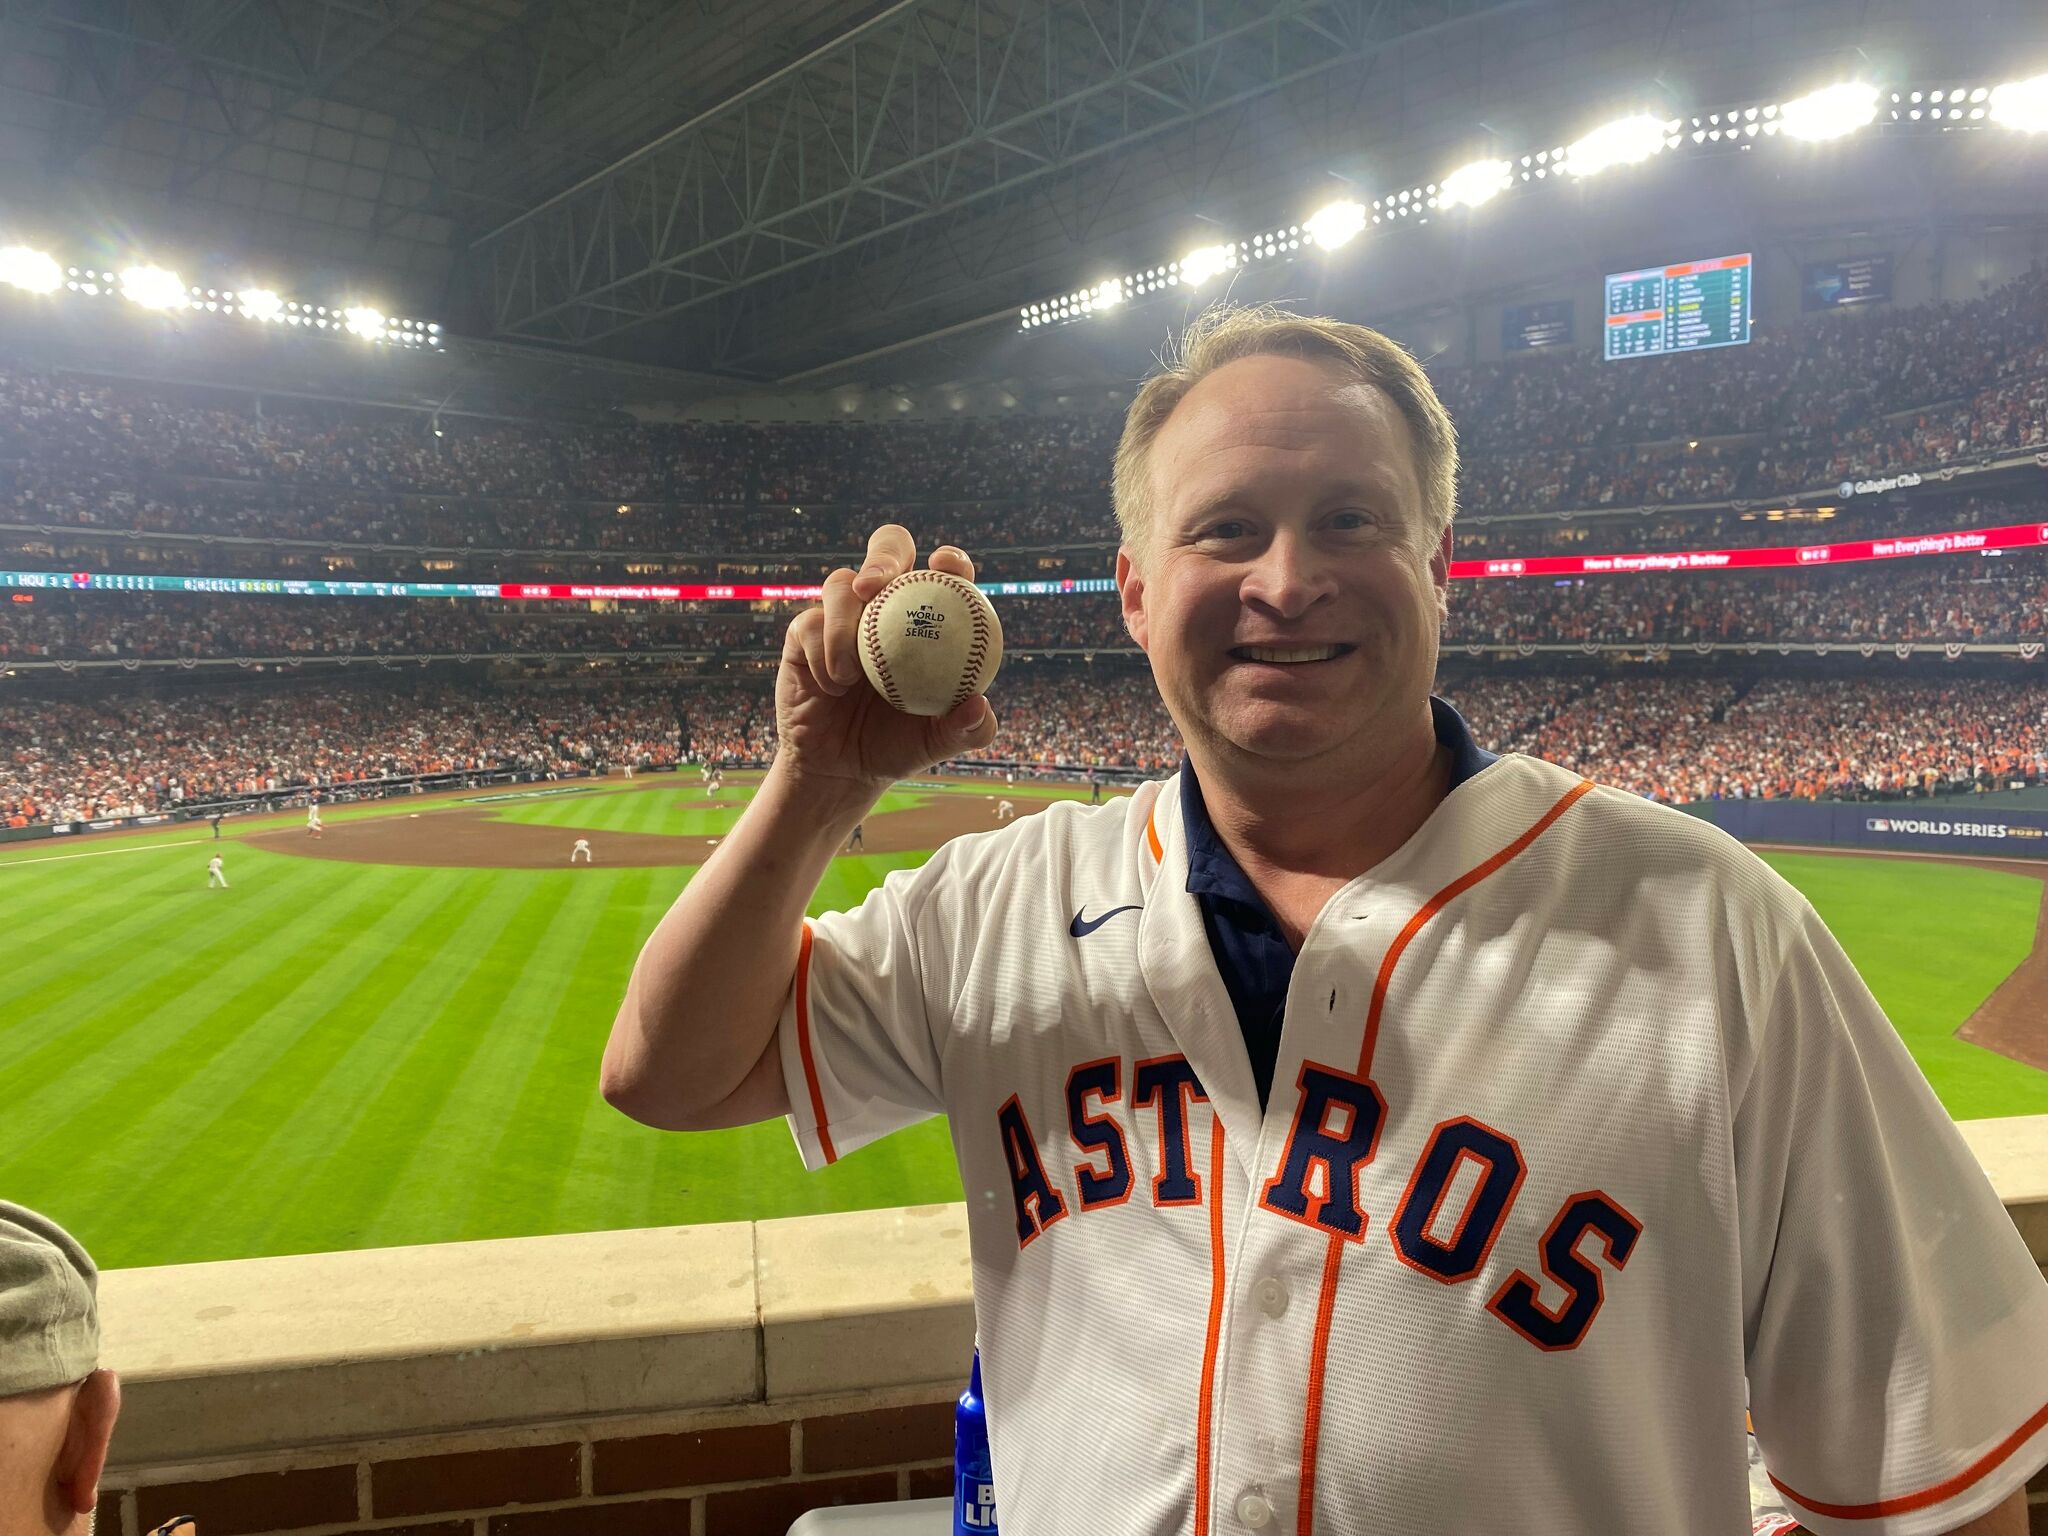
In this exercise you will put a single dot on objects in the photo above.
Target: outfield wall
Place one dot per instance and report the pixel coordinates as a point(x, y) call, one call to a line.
point(712, 1380)
point(1949, 828)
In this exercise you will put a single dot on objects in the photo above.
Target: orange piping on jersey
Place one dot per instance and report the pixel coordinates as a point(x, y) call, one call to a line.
point(1311, 1429)
point(1152, 834)
point(803, 1044)
point(1326, 1304)
point(1926, 1496)
point(1436, 904)
point(1205, 1417)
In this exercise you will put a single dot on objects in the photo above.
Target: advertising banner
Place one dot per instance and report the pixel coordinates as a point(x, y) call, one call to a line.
point(1951, 827)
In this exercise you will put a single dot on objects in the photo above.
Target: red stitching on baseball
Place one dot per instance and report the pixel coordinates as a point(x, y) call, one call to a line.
point(871, 632)
point(978, 651)
point(871, 636)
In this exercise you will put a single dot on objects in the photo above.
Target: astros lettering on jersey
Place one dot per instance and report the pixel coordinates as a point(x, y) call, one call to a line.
point(1583, 1130)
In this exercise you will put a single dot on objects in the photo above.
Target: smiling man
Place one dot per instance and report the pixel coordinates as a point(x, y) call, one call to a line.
point(1361, 1132)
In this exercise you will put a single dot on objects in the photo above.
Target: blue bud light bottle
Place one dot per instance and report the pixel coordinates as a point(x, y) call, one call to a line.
point(974, 1486)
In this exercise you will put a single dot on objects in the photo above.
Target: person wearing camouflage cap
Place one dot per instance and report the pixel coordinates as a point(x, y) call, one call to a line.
point(57, 1407)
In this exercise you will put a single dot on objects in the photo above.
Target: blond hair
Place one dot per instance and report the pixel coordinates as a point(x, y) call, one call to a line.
point(1225, 334)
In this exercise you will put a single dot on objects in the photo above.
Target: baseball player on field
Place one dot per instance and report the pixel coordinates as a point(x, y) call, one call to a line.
point(215, 875)
point(1362, 1133)
point(314, 825)
point(1006, 810)
point(580, 851)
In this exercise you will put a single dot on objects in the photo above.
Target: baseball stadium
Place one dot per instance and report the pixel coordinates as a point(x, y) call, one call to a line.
point(423, 422)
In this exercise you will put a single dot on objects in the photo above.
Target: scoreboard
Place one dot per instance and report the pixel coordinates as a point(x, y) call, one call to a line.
point(1678, 308)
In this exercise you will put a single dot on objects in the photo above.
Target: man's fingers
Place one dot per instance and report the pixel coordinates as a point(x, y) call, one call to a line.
point(953, 561)
point(803, 645)
point(841, 631)
point(891, 552)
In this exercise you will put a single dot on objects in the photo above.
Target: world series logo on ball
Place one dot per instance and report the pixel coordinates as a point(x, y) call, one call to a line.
point(929, 642)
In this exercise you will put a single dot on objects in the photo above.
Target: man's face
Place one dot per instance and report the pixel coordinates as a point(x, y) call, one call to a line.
point(1291, 596)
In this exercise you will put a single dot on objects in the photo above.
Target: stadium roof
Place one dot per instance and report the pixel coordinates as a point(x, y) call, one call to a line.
point(762, 190)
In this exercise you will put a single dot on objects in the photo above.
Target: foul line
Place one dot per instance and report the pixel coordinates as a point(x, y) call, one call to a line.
point(101, 853)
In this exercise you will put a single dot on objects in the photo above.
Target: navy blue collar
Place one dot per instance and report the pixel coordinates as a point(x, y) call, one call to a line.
point(1211, 869)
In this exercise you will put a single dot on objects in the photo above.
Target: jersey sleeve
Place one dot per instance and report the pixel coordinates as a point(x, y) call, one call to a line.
point(859, 1050)
point(1895, 1326)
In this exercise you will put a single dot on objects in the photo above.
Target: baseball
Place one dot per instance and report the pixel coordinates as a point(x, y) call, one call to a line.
point(929, 642)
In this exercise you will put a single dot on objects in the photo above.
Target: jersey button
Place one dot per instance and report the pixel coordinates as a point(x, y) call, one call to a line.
point(1272, 1295)
point(1254, 1511)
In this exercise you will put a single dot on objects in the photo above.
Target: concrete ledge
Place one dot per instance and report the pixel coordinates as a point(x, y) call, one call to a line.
point(274, 1358)
point(864, 1300)
point(233, 1358)
point(2014, 1152)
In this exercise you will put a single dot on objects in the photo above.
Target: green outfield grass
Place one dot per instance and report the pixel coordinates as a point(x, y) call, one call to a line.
point(1932, 941)
point(333, 1055)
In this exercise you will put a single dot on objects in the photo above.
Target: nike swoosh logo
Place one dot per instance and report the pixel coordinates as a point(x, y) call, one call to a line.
point(1081, 927)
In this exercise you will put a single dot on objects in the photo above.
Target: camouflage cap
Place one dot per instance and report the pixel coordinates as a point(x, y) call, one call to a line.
point(49, 1309)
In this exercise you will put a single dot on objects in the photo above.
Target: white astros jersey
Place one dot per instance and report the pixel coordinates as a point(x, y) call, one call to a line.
point(1582, 1128)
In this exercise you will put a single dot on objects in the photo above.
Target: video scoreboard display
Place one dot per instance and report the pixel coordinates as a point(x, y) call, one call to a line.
point(1679, 308)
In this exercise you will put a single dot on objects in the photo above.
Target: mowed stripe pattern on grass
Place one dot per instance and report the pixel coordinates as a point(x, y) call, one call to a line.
point(652, 812)
point(1932, 941)
point(332, 1056)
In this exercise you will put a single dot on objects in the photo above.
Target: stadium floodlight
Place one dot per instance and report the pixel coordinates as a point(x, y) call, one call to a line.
point(1829, 112)
point(1621, 142)
point(2022, 104)
point(1198, 266)
point(1109, 292)
point(153, 288)
point(1335, 225)
point(365, 322)
point(31, 271)
point(1474, 184)
point(261, 304)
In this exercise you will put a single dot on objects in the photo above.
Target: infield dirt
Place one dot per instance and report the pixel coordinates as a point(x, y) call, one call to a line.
point(474, 838)
point(2013, 1020)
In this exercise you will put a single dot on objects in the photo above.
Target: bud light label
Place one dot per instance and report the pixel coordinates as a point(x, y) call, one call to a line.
point(974, 1505)
point(974, 1486)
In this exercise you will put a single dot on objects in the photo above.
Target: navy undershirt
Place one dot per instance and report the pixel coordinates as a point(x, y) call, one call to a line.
point(1250, 950)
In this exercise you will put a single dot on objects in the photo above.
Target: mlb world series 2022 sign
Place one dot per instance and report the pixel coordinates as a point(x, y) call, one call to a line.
point(1950, 827)
point(1922, 826)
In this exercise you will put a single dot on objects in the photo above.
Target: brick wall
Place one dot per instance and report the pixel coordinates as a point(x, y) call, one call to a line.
point(729, 1480)
point(740, 1479)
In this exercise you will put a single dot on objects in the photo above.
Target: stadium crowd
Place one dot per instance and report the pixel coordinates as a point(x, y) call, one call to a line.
point(160, 627)
point(1802, 408)
point(1958, 599)
point(134, 754)
point(94, 472)
point(1670, 738)
point(1083, 549)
